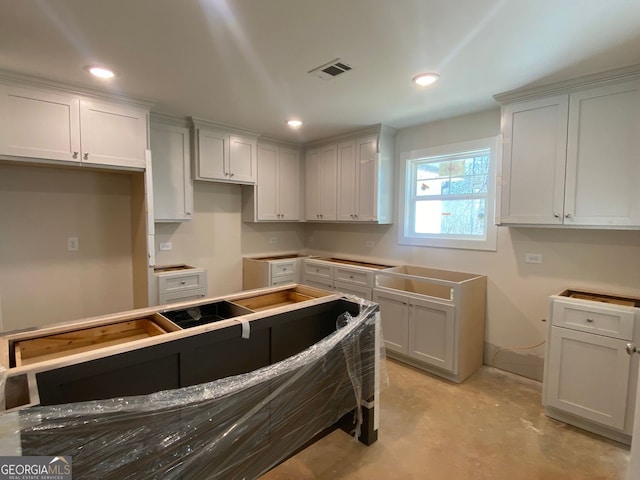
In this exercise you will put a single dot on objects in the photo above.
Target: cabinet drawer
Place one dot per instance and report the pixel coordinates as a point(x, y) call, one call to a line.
point(355, 277)
point(182, 296)
point(279, 269)
point(610, 321)
point(174, 283)
point(358, 291)
point(283, 280)
point(318, 270)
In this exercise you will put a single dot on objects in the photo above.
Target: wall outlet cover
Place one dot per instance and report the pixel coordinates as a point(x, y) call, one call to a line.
point(165, 246)
point(533, 258)
point(73, 244)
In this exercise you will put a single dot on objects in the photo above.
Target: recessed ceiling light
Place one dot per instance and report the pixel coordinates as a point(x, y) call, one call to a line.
point(294, 123)
point(424, 79)
point(100, 71)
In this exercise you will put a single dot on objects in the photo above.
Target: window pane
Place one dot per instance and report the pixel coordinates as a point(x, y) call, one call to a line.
point(451, 217)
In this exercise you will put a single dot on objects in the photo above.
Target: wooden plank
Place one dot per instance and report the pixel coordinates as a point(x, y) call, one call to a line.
point(272, 300)
point(54, 346)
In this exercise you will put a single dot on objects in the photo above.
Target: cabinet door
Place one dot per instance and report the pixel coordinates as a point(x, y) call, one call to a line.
point(172, 184)
point(289, 184)
point(588, 376)
point(38, 124)
point(602, 156)
point(328, 182)
point(533, 162)
point(213, 155)
point(432, 333)
point(113, 134)
point(366, 190)
point(242, 160)
point(394, 316)
point(311, 185)
point(347, 172)
point(267, 187)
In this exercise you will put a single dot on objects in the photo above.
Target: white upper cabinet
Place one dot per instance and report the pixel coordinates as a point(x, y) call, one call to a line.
point(276, 196)
point(533, 163)
point(603, 152)
point(363, 178)
point(171, 166)
point(54, 125)
point(320, 183)
point(112, 134)
point(571, 159)
point(224, 155)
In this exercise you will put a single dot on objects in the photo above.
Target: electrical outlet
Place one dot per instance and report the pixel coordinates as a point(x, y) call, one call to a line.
point(72, 244)
point(165, 246)
point(273, 240)
point(533, 258)
point(369, 244)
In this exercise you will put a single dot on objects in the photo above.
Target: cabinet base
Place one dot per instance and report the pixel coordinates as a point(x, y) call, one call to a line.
point(453, 377)
point(588, 426)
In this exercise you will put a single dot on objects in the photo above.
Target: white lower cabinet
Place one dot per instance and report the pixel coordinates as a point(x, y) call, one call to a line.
point(590, 378)
point(272, 271)
point(433, 319)
point(180, 283)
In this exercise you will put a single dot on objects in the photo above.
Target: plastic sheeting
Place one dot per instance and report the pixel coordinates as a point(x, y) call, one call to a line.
point(235, 427)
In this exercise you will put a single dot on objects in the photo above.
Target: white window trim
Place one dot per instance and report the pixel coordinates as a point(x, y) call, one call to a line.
point(488, 243)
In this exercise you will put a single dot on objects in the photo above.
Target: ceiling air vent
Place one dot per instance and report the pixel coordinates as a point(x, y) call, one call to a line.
point(331, 70)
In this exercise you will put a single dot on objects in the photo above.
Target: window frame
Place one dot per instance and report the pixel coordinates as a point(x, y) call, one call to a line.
point(407, 162)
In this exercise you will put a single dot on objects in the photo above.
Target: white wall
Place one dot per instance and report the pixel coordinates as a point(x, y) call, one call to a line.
point(517, 292)
point(41, 281)
point(216, 238)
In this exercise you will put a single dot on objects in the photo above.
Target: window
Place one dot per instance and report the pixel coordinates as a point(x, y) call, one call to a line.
point(449, 196)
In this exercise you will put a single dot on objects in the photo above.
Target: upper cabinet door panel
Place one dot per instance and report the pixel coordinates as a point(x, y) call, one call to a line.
point(602, 156)
point(172, 184)
point(533, 164)
point(267, 188)
point(39, 124)
point(367, 185)
point(289, 181)
point(242, 159)
point(213, 154)
point(347, 179)
point(113, 134)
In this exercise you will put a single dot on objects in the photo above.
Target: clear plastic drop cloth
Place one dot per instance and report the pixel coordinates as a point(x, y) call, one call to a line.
point(233, 428)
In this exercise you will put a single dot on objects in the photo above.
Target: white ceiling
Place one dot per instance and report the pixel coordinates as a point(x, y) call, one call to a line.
point(245, 62)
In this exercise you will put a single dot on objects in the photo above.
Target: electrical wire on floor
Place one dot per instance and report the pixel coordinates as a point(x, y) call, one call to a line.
point(507, 349)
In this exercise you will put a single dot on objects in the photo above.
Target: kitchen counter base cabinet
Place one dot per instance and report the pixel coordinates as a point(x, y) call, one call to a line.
point(287, 395)
point(433, 319)
point(590, 379)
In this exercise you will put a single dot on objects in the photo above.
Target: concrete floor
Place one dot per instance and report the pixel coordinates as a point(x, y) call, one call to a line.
point(492, 426)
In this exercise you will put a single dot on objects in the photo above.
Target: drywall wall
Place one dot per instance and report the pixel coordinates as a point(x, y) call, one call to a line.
point(216, 238)
point(41, 282)
point(517, 291)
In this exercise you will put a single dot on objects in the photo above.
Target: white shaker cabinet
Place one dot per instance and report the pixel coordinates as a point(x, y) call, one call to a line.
point(363, 177)
point(533, 162)
point(63, 126)
point(223, 154)
point(350, 178)
point(172, 182)
point(590, 378)
point(321, 183)
point(276, 195)
point(570, 159)
point(433, 319)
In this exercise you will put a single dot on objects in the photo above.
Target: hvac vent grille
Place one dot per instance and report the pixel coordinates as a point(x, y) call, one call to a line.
point(331, 70)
